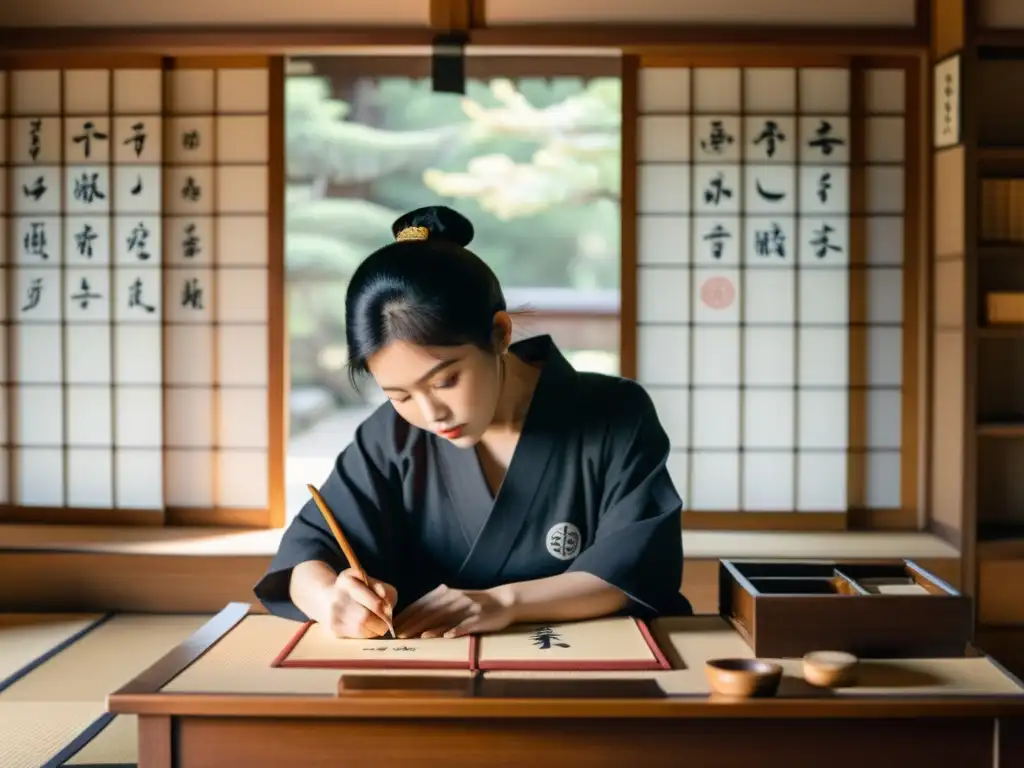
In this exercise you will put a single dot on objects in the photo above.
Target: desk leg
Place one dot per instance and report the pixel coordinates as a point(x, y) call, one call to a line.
point(1010, 742)
point(155, 741)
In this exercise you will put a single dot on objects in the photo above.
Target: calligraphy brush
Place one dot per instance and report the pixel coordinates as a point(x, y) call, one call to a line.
point(353, 561)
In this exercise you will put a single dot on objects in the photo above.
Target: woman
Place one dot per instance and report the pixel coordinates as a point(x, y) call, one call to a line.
point(497, 486)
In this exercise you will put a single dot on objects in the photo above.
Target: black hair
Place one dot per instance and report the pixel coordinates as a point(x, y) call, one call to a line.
point(426, 288)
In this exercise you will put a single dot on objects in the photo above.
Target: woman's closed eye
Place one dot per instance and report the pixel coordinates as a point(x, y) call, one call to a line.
point(447, 382)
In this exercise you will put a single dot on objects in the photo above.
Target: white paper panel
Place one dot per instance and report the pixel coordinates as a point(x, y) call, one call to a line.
point(87, 241)
point(664, 89)
point(885, 240)
point(191, 140)
point(885, 295)
point(137, 91)
point(88, 357)
point(823, 419)
point(769, 357)
point(138, 189)
point(716, 419)
point(884, 421)
point(190, 353)
point(189, 417)
point(189, 241)
point(768, 482)
point(35, 92)
point(824, 139)
point(190, 475)
point(188, 190)
point(190, 91)
point(87, 296)
point(769, 89)
point(821, 482)
point(716, 89)
point(37, 353)
point(716, 296)
point(189, 295)
point(883, 480)
point(35, 140)
point(662, 138)
point(885, 356)
point(39, 477)
point(3, 359)
point(768, 419)
point(717, 191)
point(243, 90)
point(39, 416)
point(243, 139)
point(137, 354)
point(4, 415)
point(717, 240)
point(673, 408)
point(770, 139)
point(137, 243)
point(769, 296)
point(824, 191)
point(663, 188)
point(824, 297)
point(87, 140)
point(138, 140)
point(884, 189)
point(36, 190)
point(242, 480)
point(242, 241)
point(90, 477)
point(885, 91)
point(138, 295)
point(714, 481)
point(884, 139)
point(138, 478)
point(243, 355)
point(823, 357)
point(660, 240)
point(89, 416)
point(663, 295)
point(243, 417)
point(769, 241)
point(663, 355)
point(139, 415)
point(242, 189)
point(716, 356)
point(825, 91)
point(717, 138)
point(241, 295)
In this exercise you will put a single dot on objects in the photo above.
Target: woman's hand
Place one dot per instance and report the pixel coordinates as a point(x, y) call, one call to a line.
point(353, 609)
point(446, 612)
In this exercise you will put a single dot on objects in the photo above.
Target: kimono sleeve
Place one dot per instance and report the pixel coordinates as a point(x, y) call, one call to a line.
point(360, 492)
point(638, 545)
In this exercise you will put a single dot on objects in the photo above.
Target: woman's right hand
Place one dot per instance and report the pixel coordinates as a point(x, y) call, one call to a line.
point(354, 609)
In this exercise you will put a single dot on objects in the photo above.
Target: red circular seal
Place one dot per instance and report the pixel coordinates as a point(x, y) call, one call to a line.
point(718, 292)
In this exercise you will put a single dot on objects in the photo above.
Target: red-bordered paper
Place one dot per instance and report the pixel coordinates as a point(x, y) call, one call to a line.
point(606, 644)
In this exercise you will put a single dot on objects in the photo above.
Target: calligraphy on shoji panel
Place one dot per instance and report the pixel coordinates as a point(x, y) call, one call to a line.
point(83, 253)
point(750, 307)
point(216, 288)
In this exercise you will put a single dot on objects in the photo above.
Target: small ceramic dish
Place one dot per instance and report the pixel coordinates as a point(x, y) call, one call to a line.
point(745, 678)
point(830, 669)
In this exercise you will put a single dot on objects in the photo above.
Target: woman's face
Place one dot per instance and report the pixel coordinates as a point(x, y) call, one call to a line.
point(451, 391)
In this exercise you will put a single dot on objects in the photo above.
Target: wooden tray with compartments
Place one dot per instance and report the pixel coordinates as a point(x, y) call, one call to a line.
point(898, 610)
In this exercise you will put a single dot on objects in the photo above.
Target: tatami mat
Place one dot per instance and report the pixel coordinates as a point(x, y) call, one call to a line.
point(104, 659)
point(24, 638)
point(117, 744)
point(34, 732)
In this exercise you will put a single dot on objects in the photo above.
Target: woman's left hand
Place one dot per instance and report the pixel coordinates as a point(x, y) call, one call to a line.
point(446, 612)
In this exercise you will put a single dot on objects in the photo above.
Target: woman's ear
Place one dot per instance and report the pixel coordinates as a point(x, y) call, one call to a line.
point(502, 333)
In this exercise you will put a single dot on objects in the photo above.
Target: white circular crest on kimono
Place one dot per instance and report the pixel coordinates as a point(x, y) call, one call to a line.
point(563, 541)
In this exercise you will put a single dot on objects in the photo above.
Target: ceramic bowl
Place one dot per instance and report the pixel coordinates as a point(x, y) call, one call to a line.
point(830, 669)
point(744, 678)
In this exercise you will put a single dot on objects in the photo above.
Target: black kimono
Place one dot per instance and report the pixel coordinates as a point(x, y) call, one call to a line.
point(587, 490)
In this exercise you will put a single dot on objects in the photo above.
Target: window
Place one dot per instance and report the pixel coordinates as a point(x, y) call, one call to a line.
point(772, 286)
point(531, 154)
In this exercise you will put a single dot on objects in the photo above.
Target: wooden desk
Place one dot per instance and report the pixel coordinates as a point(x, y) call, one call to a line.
point(215, 701)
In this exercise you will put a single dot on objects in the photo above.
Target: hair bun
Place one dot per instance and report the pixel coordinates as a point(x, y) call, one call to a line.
point(434, 222)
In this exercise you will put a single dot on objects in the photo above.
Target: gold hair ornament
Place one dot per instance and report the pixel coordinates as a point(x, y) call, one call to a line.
point(413, 233)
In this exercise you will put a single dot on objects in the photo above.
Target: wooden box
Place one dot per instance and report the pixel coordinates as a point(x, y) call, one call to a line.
point(899, 610)
point(1005, 308)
